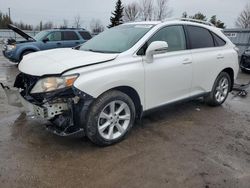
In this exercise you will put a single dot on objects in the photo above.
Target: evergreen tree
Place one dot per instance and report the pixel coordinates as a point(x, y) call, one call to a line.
point(217, 22)
point(199, 16)
point(4, 21)
point(116, 18)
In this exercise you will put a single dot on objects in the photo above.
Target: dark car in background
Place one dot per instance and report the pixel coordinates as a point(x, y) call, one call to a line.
point(45, 40)
point(245, 61)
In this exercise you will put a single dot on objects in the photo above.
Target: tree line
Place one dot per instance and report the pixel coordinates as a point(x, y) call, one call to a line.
point(147, 10)
point(140, 10)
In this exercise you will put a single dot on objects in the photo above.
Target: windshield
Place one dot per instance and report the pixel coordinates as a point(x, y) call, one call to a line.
point(117, 39)
point(40, 36)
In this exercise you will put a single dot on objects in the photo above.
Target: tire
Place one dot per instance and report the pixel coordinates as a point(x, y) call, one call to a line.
point(105, 127)
point(220, 91)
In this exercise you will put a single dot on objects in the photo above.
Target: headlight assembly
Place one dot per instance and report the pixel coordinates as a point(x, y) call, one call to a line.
point(54, 83)
point(11, 47)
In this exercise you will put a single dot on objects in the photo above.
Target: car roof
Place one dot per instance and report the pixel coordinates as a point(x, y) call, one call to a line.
point(173, 21)
point(66, 29)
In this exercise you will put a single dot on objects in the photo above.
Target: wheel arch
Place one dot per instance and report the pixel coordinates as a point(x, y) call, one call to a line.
point(32, 49)
point(133, 94)
point(230, 72)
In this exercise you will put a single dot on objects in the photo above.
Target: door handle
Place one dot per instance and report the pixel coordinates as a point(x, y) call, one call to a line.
point(220, 56)
point(77, 42)
point(58, 43)
point(186, 61)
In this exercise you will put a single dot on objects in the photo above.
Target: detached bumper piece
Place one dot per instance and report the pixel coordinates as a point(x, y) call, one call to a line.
point(241, 89)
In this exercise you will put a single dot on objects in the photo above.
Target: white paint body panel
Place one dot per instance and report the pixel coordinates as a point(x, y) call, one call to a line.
point(58, 60)
point(162, 81)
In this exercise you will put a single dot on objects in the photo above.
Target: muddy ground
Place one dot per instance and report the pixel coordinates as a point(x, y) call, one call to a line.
point(186, 145)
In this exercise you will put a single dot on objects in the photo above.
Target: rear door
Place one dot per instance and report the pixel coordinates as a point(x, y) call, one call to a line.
point(70, 39)
point(53, 40)
point(168, 78)
point(207, 58)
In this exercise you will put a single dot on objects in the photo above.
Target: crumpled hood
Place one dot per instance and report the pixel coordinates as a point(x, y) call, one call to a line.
point(59, 60)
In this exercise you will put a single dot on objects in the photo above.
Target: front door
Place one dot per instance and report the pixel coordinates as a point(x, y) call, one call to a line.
point(169, 77)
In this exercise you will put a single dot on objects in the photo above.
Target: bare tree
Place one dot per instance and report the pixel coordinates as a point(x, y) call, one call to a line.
point(77, 21)
point(131, 12)
point(243, 20)
point(96, 26)
point(162, 9)
point(146, 10)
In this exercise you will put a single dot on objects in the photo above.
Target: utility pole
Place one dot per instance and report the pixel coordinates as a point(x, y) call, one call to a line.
point(9, 14)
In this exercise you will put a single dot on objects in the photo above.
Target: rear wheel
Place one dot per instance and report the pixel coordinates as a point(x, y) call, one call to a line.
point(110, 118)
point(220, 90)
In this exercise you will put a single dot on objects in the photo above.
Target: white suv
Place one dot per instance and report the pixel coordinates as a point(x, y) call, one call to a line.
point(113, 79)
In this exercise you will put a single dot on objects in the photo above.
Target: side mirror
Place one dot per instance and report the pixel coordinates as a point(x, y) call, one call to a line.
point(45, 40)
point(156, 47)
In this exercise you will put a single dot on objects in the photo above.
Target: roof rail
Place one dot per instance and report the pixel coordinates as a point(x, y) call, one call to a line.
point(69, 28)
point(197, 21)
point(190, 20)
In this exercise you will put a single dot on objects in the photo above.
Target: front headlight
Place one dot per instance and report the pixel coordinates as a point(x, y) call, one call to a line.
point(53, 83)
point(11, 47)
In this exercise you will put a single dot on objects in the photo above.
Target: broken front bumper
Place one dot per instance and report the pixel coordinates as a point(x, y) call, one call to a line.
point(65, 109)
point(46, 111)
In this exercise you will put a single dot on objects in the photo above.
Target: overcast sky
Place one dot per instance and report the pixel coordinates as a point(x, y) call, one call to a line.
point(32, 11)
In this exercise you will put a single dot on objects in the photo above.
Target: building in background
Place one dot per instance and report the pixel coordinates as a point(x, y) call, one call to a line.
point(240, 37)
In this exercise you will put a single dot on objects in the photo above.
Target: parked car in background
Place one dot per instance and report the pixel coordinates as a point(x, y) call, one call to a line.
point(45, 40)
point(125, 72)
point(245, 61)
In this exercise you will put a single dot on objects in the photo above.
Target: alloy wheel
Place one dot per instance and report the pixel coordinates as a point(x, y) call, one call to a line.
point(222, 89)
point(114, 120)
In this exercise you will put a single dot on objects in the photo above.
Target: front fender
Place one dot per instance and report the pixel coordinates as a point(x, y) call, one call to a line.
point(97, 82)
point(21, 49)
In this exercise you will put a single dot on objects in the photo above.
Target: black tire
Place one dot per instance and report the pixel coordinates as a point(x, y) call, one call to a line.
point(210, 99)
point(91, 126)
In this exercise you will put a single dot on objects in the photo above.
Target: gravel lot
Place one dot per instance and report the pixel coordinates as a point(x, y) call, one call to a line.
point(186, 145)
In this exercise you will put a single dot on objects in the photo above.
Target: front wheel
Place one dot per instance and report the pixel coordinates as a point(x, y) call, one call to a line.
point(110, 118)
point(220, 90)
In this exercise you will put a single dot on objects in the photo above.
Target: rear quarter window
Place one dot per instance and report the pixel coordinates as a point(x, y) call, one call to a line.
point(85, 35)
point(70, 35)
point(200, 37)
point(218, 41)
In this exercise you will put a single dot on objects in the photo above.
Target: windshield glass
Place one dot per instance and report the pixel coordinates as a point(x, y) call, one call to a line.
point(40, 36)
point(117, 39)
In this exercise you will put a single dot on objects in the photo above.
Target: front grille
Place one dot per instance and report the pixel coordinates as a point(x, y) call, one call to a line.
point(26, 83)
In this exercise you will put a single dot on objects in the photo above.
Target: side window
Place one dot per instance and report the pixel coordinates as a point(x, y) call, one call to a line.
point(173, 35)
point(85, 35)
point(218, 41)
point(200, 37)
point(70, 35)
point(55, 36)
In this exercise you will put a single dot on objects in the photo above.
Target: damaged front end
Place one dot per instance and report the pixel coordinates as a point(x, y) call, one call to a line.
point(60, 106)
